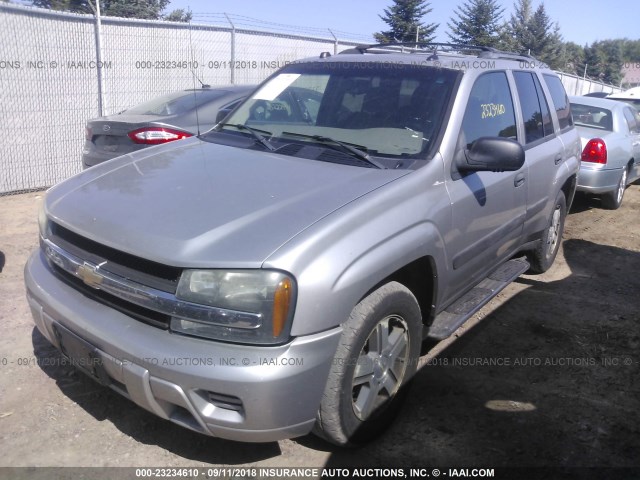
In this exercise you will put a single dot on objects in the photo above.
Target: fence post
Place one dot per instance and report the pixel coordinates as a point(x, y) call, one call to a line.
point(98, 33)
point(335, 42)
point(233, 50)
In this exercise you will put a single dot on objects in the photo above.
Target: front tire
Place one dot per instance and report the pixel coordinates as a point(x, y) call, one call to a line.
point(375, 360)
point(613, 200)
point(543, 256)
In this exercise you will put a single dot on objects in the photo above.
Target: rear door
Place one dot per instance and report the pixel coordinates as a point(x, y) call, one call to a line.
point(488, 207)
point(632, 118)
point(544, 150)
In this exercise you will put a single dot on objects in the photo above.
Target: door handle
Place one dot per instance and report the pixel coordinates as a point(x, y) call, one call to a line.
point(557, 160)
point(519, 180)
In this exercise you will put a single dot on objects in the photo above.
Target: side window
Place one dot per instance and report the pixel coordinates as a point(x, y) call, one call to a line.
point(547, 124)
point(632, 120)
point(489, 111)
point(535, 113)
point(560, 100)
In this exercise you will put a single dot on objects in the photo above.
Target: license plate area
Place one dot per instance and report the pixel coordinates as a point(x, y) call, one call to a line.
point(81, 354)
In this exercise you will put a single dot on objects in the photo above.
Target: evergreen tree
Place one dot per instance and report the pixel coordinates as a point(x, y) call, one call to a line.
point(573, 58)
point(478, 23)
point(404, 19)
point(75, 6)
point(603, 61)
point(630, 50)
point(517, 32)
point(533, 32)
point(546, 41)
point(179, 15)
point(145, 9)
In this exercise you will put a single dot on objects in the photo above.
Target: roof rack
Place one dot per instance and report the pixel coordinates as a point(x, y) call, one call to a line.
point(434, 48)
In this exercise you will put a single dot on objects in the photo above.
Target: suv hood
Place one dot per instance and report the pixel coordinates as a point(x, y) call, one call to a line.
point(196, 204)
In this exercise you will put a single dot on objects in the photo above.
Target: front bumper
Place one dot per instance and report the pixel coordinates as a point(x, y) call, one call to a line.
point(598, 180)
point(237, 392)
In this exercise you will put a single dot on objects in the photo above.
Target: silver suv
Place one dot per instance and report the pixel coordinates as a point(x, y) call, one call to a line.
point(278, 274)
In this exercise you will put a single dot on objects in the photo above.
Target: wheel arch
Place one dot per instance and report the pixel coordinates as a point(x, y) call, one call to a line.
point(569, 190)
point(420, 277)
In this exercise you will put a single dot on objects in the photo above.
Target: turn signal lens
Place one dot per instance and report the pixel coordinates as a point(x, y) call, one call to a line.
point(281, 306)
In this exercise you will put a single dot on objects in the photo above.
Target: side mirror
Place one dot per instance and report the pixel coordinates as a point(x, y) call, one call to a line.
point(490, 154)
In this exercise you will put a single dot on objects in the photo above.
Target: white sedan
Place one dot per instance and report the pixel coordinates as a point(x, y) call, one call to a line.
point(610, 135)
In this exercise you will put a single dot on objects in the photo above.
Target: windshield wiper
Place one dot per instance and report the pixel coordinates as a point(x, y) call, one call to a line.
point(253, 131)
point(343, 146)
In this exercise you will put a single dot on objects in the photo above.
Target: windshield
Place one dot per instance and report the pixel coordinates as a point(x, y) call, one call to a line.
point(176, 103)
point(384, 109)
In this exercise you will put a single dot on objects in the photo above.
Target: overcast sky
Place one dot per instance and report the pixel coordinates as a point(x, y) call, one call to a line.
point(581, 21)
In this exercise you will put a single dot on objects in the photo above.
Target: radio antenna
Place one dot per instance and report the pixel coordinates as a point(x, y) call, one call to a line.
point(195, 77)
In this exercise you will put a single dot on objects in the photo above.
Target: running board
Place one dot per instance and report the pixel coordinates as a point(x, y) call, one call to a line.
point(448, 321)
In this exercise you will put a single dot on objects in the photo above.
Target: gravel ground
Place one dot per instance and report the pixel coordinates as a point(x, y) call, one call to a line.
point(546, 375)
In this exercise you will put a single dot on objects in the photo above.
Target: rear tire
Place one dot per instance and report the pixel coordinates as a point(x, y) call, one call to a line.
point(613, 200)
point(543, 256)
point(375, 360)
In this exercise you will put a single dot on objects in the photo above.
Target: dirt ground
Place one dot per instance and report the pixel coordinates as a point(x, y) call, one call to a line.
point(547, 375)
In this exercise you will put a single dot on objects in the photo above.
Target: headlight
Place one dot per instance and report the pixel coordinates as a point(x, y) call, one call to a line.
point(248, 306)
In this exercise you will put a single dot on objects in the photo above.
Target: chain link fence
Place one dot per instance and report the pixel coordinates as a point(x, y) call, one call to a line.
point(575, 85)
point(52, 81)
point(57, 70)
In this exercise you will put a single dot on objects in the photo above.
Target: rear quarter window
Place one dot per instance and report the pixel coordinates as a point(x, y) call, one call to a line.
point(560, 100)
point(633, 120)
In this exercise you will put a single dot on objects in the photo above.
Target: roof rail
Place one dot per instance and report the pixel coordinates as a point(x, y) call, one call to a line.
point(415, 47)
point(434, 48)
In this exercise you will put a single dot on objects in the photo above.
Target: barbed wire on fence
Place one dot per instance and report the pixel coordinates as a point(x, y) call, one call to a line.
point(241, 21)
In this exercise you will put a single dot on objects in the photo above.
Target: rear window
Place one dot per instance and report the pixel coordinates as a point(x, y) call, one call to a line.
point(592, 117)
point(560, 100)
point(176, 103)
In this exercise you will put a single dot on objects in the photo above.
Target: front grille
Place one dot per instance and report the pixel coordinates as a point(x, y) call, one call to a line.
point(140, 270)
point(145, 272)
point(134, 295)
point(145, 315)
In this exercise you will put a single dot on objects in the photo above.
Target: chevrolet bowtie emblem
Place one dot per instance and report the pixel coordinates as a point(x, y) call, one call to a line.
point(89, 275)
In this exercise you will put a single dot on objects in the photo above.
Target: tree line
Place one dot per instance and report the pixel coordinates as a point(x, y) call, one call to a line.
point(144, 9)
point(527, 31)
point(476, 22)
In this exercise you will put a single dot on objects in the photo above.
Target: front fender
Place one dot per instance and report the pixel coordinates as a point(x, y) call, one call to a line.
point(341, 258)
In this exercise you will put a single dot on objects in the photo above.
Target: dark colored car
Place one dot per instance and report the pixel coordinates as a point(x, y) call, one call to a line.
point(597, 94)
point(170, 117)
